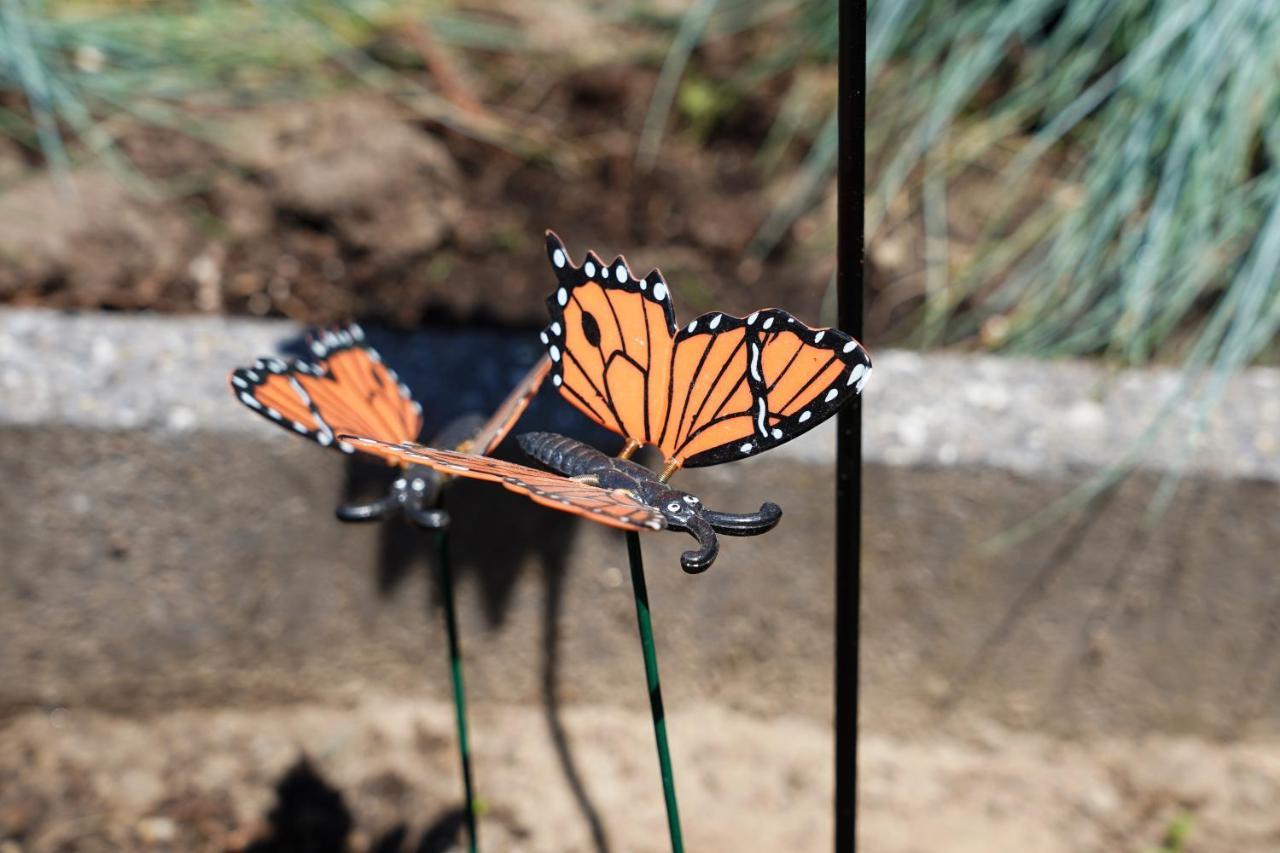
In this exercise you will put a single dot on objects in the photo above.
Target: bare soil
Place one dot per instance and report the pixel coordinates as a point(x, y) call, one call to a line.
point(382, 776)
point(357, 205)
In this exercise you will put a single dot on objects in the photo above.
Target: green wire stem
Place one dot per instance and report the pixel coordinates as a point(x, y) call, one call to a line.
point(455, 673)
point(655, 691)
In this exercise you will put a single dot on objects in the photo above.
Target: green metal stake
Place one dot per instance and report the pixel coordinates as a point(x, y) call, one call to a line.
point(455, 673)
point(655, 691)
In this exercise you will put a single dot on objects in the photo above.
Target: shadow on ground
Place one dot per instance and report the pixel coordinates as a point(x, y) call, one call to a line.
point(312, 816)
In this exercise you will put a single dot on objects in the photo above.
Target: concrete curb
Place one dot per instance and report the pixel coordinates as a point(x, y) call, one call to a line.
point(162, 546)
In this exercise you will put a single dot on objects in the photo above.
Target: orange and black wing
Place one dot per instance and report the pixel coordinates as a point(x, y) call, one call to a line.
point(504, 418)
point(346, 389)
point(610, 342)
point(740, 386)
point(719, 389)
point(614, 508)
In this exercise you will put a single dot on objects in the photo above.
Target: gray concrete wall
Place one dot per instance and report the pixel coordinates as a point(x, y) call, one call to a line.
point(160, 545)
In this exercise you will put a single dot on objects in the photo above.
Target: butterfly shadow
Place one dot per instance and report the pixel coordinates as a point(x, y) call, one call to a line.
point(312, 815)
point(496, 537)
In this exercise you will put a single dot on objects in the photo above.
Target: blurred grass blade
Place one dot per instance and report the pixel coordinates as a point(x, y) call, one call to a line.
point(687, 37)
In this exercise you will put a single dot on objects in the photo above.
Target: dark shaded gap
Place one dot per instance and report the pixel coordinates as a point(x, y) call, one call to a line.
point(551, 704)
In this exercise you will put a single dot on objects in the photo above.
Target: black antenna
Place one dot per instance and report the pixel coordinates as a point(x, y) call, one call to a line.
point(850, 248)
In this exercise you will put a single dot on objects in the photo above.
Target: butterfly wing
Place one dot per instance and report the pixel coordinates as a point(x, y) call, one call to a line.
point(610, 342)
point(499, 424)
point(615, 508)
point(718, 389)
point(347, 389)
point(740, 386)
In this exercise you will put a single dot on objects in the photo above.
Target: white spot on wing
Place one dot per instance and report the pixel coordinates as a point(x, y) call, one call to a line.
point(555, 328)
point(858, 372)
point(715, 321)
point(659, 291)
point(239, 382)
point(849, 347)
point(805, 415)
point(761, 417)
point(777, 433)
point(544, 338)
point(299, 428)
point(817, 339)
point(693, 325)
point(755, 364)
point(746, 448)
point(562, 296)
point(555, 352)
point(767, 323)
point(325, 439)
point(831, 395)
point(249, 401)
point(557, 257)
point(620, 272)
point(556, 380)
point(589, 268)
point(345, 448)
point(751, 321)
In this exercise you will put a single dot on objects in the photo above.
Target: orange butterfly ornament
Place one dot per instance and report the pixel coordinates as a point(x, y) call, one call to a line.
point(718, 389)
point(346, 389)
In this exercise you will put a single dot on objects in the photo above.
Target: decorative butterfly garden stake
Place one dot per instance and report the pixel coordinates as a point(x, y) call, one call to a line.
point(716, 390)
point(348, 389)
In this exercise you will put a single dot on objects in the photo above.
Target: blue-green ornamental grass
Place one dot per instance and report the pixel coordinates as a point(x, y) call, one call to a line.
point(1163, 116)
point(84, 69)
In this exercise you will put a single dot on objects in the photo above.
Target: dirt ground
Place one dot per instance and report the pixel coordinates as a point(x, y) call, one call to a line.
point(358, 205)
point(381, 776)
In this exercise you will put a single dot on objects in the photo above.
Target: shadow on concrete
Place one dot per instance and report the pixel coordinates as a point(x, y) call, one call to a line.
point(311, 816)
point(495, 534)
point(551, 704)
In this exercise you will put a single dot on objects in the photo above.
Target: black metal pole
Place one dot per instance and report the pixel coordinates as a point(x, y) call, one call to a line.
point(850, 247)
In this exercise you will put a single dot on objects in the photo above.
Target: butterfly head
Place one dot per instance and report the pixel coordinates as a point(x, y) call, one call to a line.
point(684, 511)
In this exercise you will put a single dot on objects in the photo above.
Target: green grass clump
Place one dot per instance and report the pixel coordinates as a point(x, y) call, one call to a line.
point(74, 74)
point(1156, 120)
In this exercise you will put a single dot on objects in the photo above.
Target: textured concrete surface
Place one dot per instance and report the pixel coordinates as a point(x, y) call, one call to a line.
point(162, 546)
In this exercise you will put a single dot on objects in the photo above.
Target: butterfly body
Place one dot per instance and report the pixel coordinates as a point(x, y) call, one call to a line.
point(681, 510)
point(416, 492)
